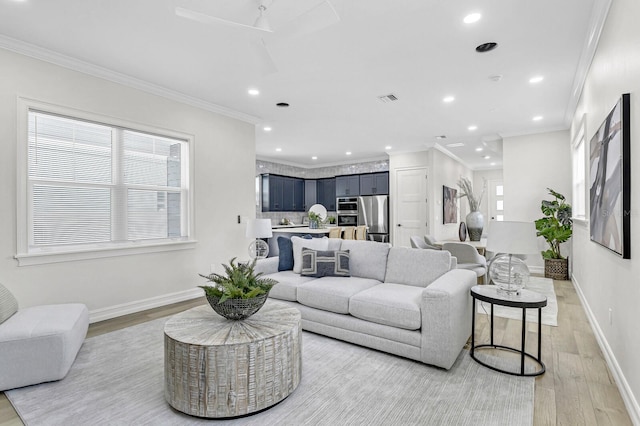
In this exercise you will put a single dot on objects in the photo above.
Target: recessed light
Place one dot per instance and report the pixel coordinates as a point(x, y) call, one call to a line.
point(472, 128)
point(486, 157)
point(478, 149)
point(471, 18)
point(282, 105)
point(348, 153)
point(278, 149)
point(536, 79)
point(253, 92)
point(538, 118)
point(388, 147)
point(314, 158)
point(493, 164)
point(266, 129)
point(448, 99)
point(486, 47)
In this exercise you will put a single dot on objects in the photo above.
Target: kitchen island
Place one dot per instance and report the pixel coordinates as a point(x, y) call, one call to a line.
point(291, 230)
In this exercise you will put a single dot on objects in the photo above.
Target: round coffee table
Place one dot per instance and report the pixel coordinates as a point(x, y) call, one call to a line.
point(218, 368)
point(525, 300)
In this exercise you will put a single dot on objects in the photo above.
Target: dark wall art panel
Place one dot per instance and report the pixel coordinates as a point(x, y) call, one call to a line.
point(610, 191)
point(449, 205)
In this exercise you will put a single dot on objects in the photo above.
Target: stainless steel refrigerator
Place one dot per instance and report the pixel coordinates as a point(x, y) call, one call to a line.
point(373, 212)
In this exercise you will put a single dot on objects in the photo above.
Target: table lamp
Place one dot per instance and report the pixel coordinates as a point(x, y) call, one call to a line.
point(257, 229)
point(507, 239)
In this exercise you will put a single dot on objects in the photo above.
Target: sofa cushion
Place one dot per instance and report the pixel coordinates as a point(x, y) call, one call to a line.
point(416, 267)
point(299, 243)
point(285, 254)
point(288, 282)
point(396, 305)
point(332, 293)
point(367, 259)
point(8, 304)
point(335, 244)
point(321, 263)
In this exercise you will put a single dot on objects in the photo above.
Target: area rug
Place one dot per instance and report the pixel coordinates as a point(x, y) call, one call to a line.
point(539, 285)
point(118, 379)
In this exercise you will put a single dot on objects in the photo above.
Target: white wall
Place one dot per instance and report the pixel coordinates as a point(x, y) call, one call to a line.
point(224, 188)
point(604, 280)
point(532, 164)
point(479, 179)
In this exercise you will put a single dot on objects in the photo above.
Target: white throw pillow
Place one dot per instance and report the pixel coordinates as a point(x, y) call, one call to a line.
point(299, 243)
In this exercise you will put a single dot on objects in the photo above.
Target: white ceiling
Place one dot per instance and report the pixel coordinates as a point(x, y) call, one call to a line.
point(419, 50)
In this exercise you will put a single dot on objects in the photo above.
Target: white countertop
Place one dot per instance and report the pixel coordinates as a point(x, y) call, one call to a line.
point(299, 230)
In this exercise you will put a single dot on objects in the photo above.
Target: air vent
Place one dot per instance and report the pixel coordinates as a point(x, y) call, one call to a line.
point(441, 137)
point(388, 98)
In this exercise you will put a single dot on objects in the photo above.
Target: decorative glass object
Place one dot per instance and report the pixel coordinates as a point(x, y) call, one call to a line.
point(509, 273)
point(259, 228)
point(258, 249)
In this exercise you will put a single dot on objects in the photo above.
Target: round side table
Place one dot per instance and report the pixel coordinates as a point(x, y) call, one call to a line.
point(216, 368)
point(525, 300)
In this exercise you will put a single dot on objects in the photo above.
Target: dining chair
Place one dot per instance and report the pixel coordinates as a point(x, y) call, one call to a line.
point(417, 242)
point(468, 258)
point(349, 233)
point(335, 232)
point(361, 232)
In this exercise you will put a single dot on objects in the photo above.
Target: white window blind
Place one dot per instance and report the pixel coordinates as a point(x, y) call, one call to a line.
point(93, 184)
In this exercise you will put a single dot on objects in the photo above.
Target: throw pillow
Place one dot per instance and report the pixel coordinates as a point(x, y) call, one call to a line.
point(325, 263)
point(8, 304)
point(299, 243)
point(285, 256)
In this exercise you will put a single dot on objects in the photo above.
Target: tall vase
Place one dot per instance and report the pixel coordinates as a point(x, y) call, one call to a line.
point(475, 223)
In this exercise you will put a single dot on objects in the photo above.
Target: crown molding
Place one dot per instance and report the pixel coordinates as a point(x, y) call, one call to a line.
point(598, 18)
point(383, 157)
point(74, 64)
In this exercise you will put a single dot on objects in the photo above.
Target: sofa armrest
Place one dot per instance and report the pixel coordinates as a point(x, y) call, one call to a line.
point(268, 265)
point(446, 317)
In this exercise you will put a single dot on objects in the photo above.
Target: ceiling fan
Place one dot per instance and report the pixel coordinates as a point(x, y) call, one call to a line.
point(320, 16)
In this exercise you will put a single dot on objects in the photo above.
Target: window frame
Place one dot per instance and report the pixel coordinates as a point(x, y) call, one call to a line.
point(96, 250)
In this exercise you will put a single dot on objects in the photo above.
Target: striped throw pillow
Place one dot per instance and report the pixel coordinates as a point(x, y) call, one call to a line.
point(8, 304)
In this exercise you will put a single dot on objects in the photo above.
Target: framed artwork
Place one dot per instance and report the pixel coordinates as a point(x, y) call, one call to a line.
point(610, 194)
point(449, 205)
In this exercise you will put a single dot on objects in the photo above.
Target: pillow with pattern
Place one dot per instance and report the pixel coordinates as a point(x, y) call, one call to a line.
point(325, 263)
point(8, 304)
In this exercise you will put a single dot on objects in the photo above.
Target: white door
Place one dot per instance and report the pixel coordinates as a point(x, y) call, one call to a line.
point(411, 205)
point(496, 200)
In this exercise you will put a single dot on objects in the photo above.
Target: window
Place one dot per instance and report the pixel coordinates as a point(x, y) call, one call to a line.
point(96, 187)
point(579, 205)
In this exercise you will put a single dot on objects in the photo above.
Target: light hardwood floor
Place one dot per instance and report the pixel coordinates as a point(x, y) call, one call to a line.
point(577, 388)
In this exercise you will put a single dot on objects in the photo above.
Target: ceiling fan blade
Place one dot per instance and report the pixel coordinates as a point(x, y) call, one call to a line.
point(208, 19)
point(321, 16)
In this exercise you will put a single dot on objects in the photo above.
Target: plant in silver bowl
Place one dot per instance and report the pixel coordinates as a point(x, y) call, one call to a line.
point(240, 292)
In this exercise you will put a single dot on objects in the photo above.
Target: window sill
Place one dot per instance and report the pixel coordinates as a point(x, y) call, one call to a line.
point(582, 222)
point(28, 259)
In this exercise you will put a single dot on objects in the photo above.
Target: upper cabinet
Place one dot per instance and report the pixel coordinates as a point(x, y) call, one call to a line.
point(374, 184)
point(326, 193)
point(347, 185)
point(282, 193)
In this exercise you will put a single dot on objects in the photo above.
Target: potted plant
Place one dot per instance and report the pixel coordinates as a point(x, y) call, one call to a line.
point(239, 293)
point(556, 227)
point(331, 220)
point(315, 220)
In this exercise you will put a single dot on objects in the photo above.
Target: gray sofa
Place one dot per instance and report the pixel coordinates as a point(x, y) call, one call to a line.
point(408, 302)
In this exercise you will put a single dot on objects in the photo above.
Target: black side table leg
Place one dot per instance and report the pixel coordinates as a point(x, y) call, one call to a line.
point(539, 334)
point(524, 333)
point(491, 324)
point(473, 326)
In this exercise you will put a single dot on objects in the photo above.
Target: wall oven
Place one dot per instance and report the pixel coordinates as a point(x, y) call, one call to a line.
point(347, 209)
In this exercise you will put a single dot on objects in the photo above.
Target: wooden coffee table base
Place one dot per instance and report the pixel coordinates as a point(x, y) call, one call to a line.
point(218, 368)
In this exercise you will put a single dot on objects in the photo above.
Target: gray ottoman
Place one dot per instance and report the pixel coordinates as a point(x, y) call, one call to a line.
point(40, 343)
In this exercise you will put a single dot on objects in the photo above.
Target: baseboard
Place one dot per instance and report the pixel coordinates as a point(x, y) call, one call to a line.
point(142, 305)
point(536, 270)
point(623, 386)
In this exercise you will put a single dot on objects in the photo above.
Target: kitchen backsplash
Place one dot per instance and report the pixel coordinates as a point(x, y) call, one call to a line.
point(321, 172)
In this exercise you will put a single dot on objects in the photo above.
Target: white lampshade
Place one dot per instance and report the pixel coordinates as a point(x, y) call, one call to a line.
point(512, 238)
point(259, 228)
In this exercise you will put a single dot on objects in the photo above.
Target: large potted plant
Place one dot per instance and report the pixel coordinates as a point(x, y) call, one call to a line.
point(556, 227)
point(239, 293)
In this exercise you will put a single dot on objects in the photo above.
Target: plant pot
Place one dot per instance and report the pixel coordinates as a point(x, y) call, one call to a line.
point(475, 224)
point(558, 269)
point(237, 309)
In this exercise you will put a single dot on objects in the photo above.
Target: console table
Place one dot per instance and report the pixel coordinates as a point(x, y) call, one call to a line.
point(525, 300)
point(216, 368)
